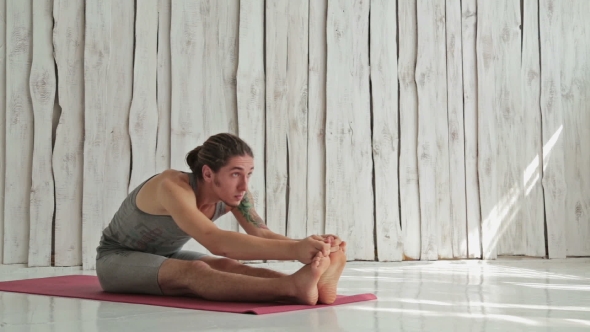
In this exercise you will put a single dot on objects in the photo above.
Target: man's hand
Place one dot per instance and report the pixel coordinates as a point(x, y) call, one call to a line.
point(333, 240)
point(311, 247)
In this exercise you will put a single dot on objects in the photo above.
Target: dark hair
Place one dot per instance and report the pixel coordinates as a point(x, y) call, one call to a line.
point(216, 152)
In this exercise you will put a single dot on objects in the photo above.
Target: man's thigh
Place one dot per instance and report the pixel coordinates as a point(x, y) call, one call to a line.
point(126, 271)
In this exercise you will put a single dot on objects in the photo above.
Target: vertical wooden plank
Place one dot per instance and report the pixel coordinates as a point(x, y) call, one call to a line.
point(120, 92)
point(433, 152)
point(348, 129)
point(277, 176)
point(554, 180)
point(97, 50)
point(3, 123)
point(509, 115)
point(68, 158)
point(56, 114)
point(217, 105)
point(227, 52)
point(426, 148)
point(500, 115)
point(408, 117)
point(219, 112)
point(443, 185)
point(534, 227)
point(383, 59)
point(316, 140)
point(512, 240)
point(297, 76)
point(143, 115)
point(164, 87)
point(186, 38)
point(225, 40)
point(286, 116)
point(251, 93)
point(487, 144)
point(187, 126)
point(575, 89)
point(456, 136)
point(468, 35)
point(19, 131)
point(108, 74)
point(204, 63)
point(42, 84)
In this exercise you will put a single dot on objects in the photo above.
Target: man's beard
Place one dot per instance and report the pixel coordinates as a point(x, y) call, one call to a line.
point(218, 185)
point(230, 205)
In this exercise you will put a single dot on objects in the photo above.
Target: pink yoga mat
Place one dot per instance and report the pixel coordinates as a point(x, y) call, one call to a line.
point(88, 287)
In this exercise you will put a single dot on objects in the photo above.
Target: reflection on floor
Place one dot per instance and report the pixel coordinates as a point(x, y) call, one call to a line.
point(515, 294)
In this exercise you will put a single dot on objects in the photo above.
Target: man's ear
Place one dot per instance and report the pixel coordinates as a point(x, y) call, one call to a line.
point(207, 173)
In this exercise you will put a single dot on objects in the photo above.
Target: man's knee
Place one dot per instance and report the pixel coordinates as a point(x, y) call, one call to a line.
point(176, 276)
point(174, 267)
point(198, 265)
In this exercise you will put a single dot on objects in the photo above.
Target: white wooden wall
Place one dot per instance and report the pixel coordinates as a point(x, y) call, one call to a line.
point(414, 129)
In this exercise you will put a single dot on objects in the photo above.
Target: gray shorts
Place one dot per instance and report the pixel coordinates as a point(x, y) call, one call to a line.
point(127, 271)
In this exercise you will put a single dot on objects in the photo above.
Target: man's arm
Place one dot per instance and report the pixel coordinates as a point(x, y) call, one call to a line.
point(251, 222)
point(178, 200)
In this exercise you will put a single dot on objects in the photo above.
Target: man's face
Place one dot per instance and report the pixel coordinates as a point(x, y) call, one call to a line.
point(230, 183)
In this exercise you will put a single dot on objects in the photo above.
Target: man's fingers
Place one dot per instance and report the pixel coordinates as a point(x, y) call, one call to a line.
point(332, 239)
point(326, 244)
point(336, 241)
point(323, 247)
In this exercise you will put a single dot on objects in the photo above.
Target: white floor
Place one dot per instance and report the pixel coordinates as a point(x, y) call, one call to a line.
point(504, 295)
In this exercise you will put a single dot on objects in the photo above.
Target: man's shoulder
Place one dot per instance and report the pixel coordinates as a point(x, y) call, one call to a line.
point(172, 175)
point(172, 179)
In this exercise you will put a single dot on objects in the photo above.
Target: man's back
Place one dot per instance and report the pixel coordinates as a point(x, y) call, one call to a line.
point(133, 228)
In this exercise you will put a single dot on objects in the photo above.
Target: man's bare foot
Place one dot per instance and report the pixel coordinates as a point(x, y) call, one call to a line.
point(328, 284)
point(306, 280)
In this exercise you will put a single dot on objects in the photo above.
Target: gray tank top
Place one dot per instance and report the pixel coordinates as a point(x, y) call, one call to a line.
point(133, 229)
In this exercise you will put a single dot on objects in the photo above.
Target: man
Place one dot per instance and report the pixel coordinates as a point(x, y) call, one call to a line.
point(140, 250)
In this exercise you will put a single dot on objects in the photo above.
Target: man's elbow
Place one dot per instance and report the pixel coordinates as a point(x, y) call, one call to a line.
point(214, 243)
point(219, 250)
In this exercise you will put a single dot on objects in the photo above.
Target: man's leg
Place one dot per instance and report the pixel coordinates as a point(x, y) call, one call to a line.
point(180, 277)
point(327, 284)
point(233, 266)
point(228, 265)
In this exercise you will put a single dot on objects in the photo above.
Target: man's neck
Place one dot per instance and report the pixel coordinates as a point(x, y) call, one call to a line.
point(205, 196)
